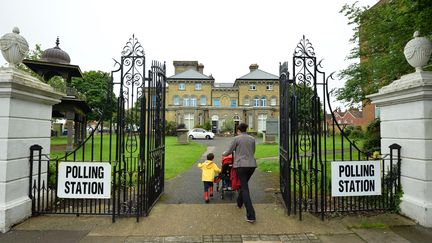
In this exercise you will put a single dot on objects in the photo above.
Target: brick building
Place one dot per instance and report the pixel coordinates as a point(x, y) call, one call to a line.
point(194, 98)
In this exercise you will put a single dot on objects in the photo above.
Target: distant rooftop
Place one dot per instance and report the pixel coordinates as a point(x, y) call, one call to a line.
point(191, 74)
point(258, 74)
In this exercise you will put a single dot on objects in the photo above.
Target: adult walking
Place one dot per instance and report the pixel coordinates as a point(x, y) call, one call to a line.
point(244, 162)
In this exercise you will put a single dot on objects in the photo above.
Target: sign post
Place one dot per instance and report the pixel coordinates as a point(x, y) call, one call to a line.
point(356, 178)
point(84, 180)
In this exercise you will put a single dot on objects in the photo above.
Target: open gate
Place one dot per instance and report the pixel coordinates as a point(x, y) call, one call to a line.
point(308, 144)
point(129, 135)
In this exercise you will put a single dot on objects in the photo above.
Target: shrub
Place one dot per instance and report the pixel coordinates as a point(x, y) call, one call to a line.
point(356, 133)
point(228, 125)
point(181, 126)
point(373, 137)
point(347, 131)
point(207, 126)
point(170, 128)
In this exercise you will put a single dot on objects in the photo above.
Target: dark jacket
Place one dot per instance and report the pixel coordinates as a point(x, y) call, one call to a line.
point(244, 147)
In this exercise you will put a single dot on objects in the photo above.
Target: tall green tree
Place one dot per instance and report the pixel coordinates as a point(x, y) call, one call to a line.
point(380, 35)
point(94, 85)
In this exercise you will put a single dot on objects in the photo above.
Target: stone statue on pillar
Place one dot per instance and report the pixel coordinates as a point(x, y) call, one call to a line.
point(14, 47)
point(406, 119)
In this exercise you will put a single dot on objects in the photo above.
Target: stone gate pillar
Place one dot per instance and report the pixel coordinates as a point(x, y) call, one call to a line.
point(25, 119)
point(406, 119)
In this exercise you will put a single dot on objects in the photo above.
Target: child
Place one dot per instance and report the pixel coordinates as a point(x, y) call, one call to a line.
point(209, 171)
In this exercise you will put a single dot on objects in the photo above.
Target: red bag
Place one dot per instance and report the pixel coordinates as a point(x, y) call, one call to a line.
point(235, 182)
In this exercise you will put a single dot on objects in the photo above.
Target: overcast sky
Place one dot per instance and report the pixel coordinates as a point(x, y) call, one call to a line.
point(224, 35)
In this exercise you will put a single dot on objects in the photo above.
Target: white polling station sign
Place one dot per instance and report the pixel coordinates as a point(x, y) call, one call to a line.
point(84, 180)
point(356, 178)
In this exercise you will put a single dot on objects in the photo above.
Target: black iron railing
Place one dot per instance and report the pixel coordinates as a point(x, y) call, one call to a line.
point(308, 144)
point(132, 141)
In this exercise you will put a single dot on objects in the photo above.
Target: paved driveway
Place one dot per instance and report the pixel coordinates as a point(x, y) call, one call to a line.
point(188, 188)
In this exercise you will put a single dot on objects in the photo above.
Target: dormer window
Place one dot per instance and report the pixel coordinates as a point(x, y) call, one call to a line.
point(181, 86)
point(252, 86)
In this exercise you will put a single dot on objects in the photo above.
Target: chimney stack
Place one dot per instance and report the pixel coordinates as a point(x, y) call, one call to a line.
point(200, 68)
point(253, 67)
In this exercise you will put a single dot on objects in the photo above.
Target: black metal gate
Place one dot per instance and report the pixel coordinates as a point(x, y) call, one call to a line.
point(129, 137)
point(308, 144)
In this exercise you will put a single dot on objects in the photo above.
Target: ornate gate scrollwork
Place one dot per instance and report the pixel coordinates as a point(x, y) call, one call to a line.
point(140, 142)
point(308, 142)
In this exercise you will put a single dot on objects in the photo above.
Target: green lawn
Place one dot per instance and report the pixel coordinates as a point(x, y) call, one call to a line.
point(178, 158)
point(272, 150)
point(58, 140)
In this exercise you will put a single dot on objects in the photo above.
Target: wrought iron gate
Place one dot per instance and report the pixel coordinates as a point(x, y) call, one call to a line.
point(305, 139)
point(130, 137)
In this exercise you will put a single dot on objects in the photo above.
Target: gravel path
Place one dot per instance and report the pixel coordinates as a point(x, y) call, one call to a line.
point(188, 188)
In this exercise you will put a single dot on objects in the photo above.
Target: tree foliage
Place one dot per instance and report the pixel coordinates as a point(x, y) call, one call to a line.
point(228, 125)
point(94, 85)
point(380, 35)
point(372, 142)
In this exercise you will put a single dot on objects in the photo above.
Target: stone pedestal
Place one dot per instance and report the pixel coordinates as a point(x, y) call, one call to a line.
point(182, 137)
point(406, 119)
point(25, 119)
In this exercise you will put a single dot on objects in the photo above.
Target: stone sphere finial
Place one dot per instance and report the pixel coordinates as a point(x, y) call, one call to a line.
point(13, 47)
point(418, 51)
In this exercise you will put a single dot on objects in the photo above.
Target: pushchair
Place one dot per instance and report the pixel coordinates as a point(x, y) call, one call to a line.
point(225, 177)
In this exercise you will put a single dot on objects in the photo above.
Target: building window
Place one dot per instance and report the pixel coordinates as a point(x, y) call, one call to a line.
point(193, 100)
point(216, 102)
point(252, 87)
point(262, 118)
point(233, 103)
point(185, 100)
point(263, 101)
point(273, 101)
point(182, 86)
point(269, 87)
point(246, 101)
point(203, 100)
point(189, 120)
point(176, 100)
point(250, 121)
point(198, 86)
point(256, 101)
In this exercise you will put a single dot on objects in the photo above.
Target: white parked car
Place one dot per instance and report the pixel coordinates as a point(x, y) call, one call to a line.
point(200, 133)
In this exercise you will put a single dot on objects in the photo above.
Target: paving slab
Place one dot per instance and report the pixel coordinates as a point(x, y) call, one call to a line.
point(380, 236)
point(46, 236)
point(104, 239)
point(414, 233)
point(340, 238)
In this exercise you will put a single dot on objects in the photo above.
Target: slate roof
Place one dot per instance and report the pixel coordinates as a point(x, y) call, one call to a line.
point(258, 75)
point(191, 74)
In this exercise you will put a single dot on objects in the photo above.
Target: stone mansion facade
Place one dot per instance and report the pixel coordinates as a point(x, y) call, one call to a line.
point(193, 98)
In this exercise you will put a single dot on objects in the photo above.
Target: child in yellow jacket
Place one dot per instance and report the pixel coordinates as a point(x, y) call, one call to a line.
point(209, 171)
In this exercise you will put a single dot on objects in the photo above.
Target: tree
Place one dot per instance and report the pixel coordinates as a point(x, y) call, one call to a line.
point(380, 35)
point(94, 85)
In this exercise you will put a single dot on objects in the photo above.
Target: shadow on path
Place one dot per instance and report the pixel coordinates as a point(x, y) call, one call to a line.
point(188, 188)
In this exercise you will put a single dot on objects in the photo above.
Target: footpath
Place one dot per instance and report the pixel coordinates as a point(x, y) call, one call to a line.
point(182, 216)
